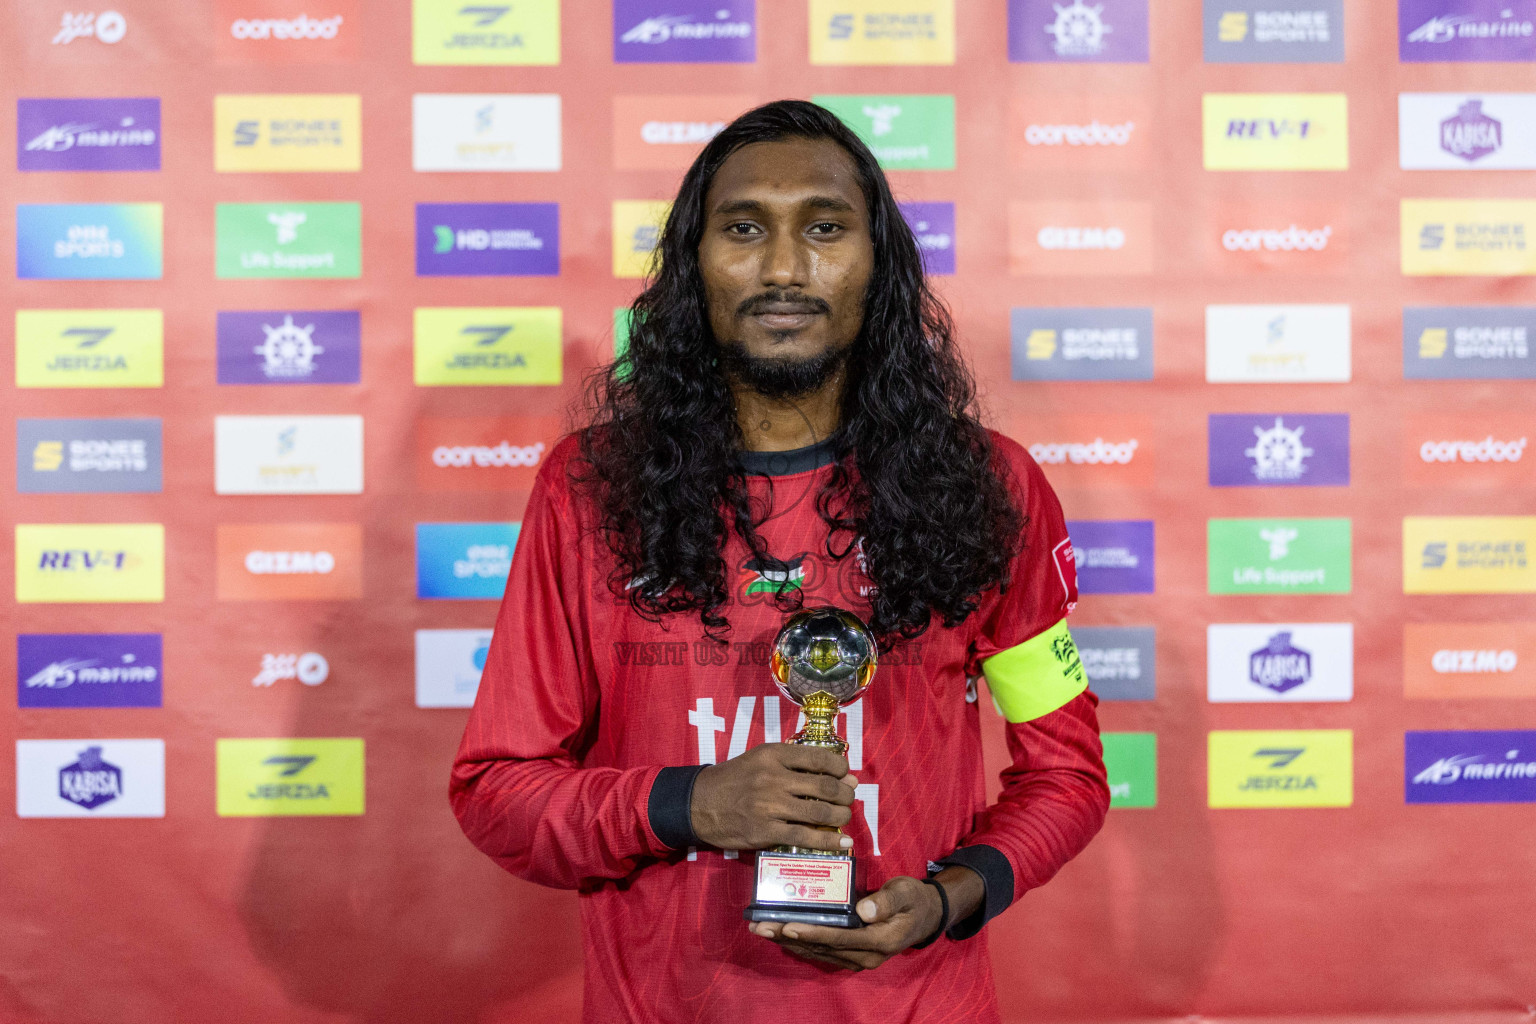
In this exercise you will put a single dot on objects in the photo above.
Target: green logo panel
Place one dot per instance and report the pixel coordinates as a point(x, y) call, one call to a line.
point(288, 240)
point(906, 133)
point(1131, 759)
point(1278, 556)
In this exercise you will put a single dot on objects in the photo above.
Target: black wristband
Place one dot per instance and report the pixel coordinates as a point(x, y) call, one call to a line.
point(943, 914)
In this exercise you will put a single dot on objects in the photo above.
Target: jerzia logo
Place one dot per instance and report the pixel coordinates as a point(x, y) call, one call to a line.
point(454, 32)
point(1296, 768)
point(290, 777)
point(488, 345)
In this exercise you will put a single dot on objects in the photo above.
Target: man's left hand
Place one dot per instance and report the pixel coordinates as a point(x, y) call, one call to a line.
point(904, 911)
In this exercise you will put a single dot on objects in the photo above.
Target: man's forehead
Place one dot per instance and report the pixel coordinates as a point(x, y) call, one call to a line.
point(817, 173)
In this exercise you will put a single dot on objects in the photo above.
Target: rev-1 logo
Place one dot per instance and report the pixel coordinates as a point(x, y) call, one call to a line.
point(1267, 127)
point(71, 560)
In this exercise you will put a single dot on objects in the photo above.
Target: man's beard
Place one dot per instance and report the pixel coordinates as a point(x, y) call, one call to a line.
point(780, 376)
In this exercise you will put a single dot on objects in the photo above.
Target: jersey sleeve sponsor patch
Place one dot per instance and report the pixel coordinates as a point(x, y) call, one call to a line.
point(1036, 677)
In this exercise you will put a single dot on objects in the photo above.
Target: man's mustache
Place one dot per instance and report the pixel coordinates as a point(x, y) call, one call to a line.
point(782, 302)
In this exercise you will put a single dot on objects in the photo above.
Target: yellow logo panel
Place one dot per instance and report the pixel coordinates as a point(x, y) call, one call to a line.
point(1281, 768)
point(637, 227)
point(453, 32)
point(288, 133)
point(1492, 237)
point(882, 31)
point(289, 777)
point(1258, 131)
point(93, 563)
point(466, 346)
point(1469, 555)
point(90, 348)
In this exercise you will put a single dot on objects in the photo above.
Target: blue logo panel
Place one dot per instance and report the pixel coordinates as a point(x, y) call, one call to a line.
point(88, 241)
point(464, 561)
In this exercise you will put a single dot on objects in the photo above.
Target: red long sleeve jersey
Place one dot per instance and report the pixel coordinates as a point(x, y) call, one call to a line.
point(568, 771)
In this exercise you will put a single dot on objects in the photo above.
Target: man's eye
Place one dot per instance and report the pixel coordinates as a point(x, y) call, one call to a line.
point(825, 228)
point(741, 228)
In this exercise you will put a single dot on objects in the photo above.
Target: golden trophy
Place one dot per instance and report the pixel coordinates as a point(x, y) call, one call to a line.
point(823, 659)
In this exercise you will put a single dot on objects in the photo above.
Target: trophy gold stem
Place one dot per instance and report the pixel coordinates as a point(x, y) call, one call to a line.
point(820, 731)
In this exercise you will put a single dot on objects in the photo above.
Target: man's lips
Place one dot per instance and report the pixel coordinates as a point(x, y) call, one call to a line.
point(782, 316)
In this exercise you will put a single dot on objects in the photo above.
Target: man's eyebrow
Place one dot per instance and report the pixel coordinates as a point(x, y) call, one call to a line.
point(739, 206)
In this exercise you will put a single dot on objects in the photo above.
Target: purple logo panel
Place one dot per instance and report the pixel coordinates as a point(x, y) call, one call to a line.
point(1466, 30)
point(1470, 767)
point(933, 225)
point(1279, 450)
point(487, 239)
point(1114, 556)
point(88, 135)
point(88, 670)
point(1103, 31)
point(684, 31)
point(290, 347)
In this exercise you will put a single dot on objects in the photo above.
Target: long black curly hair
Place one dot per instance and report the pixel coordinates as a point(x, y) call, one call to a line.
point(915, 477)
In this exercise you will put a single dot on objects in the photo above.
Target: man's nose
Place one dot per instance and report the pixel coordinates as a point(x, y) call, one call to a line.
point(785, 261)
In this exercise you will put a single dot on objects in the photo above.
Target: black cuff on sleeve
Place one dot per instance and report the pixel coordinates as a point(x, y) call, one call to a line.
point(670, 806)
point(996, 875)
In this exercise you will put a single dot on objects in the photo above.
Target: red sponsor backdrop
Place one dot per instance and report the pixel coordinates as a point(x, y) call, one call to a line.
point(1353, 914)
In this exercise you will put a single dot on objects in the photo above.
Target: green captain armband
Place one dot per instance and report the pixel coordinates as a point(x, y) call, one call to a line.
point(1037, 676)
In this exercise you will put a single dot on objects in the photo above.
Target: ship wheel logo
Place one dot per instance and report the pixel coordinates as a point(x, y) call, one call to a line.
point(1279, 453)
point(1079, 30)
point(289, 350)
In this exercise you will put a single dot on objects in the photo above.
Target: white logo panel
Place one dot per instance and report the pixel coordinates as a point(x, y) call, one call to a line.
point(448, 666)
point(288, 454)
point(90, 778)
point(1452, 131)
point(1268, 662)
point(485, 132)
point(1277, 344)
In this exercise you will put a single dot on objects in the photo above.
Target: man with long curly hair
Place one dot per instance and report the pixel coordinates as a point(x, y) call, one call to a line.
point(791, 426)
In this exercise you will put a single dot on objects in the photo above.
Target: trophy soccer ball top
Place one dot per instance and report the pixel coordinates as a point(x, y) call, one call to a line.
point(823, 659)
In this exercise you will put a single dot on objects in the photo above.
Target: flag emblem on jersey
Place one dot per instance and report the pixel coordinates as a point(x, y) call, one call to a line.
point(773, 576)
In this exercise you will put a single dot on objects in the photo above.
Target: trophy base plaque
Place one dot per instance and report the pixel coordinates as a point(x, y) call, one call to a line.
point(805, 888)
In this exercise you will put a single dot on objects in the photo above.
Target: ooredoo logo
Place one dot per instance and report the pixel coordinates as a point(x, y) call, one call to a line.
point(1269, 237)
point(1089, 451)
point(288, 30)
point(1080, 132)
point(290, 561)
point(1475, 450)
point(500, 453)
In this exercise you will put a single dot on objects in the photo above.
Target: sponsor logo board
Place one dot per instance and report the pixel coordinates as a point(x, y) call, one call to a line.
point(485, 132)
point(1280, 768)
point(1070, 238)
point(684, 31)
point(1448, 131)
point(1087, 343)
point(500, 453)
point(88, 134)
point(1130, 759)
point(57, 456)
point(1121, 661)
point(89, 670)
point(1278, 237)
point(1082, 451)
point(1114, 556)
point(1484, 449)
point(1262, 662)
point(933, 226)
point(288, 454)
point(90, 348)
point(464, 561)
point(106, 27)
point(289, 777)
point(667, 132)
point(90, 563)
point(1277, 344)
point(287, 132)
point(458, 33)
point(310, 668)
point(1469, 342)
point(906, 133)
point(1466, 30)
point(637, 226)
point(882, 31)
point(90, 778)
point(1469, 555)
point(1262, 131)
point(1278, 556)
point(290, 347)
point(487, 239)
point(288, 31)
point(1469, 660)
point(1274, 31)
point(1482, 767)
point(1080, 131)
point(290, 561)
point(474, 346)
point(1455, 237)
point(448, 666)
point(1278, 449)
point(89, 241)
point(1104, 31)
point(288, 240)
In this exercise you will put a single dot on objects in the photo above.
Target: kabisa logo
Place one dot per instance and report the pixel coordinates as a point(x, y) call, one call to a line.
point(449, 663)
point(1276, 131)
point(906, 132)
point(281, 132)
point(85, 456)
point(1471, 134)
point(1114, 556)
point(933, 226)
point(464, 561)
point(260, 777)
point(289, 240)
point(90, 781)
point(289, 561)
point(309, 668)
point(74, 348)
point(1469, 660)
point(1441, 131)
point(1264, 31)
point(289, 347)
point(767, 578)
point(302, 27)
point(1290, 662)
point(487, 239)
point(1121, 661)
point(455, 32)
point(675, 31)
point(105, 27)
point(1280, 665)
point(88, 135)
point(1091, 343)
point(1468, 342)
point(885, 32)
point(1466, 30)
point(485, 132)
point(1108, 31)
point(1298, 449)
point(1056, 238)
point(1278, 556)
point(488, 345)
point(1468, 237)
point(1469, 554)
point(1470, 767)
point(89, 241)
point(1283, 768)
point(88, 670)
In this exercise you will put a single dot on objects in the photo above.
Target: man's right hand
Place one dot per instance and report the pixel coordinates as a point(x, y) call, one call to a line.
point(777, 793)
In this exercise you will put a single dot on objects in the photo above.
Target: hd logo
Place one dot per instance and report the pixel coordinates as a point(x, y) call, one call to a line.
point(458, 346)
point(289, 777)
point(1289, 768)
point(882, 31)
